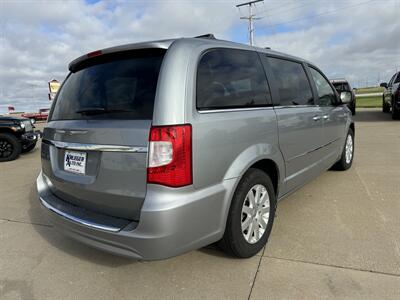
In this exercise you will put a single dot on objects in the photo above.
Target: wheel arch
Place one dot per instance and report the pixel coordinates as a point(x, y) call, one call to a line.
point(352, 127)
point(266, 157)
point(269, 167)
point(7, 130)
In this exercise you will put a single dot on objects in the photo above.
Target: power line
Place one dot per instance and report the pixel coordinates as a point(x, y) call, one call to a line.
point(283, 11)
point(250, 18)
point(321, 14)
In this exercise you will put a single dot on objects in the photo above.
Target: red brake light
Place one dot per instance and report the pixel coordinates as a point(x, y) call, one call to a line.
point(94, 53)
point(170, 155)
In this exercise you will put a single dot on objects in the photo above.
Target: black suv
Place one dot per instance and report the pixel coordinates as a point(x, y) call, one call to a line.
point(342, 85)
point(391, 96)
point(16, 135)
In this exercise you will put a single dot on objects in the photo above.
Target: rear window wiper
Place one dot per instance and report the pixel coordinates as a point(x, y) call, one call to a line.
point(91, 110)
point(101, 110)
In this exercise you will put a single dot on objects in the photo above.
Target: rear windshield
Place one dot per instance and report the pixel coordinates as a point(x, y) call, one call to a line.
point(341, 87)
point(121, 86)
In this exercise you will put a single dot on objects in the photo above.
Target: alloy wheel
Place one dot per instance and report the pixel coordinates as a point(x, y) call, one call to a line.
point(349, 149)
point(255, 213)
point(6, 148)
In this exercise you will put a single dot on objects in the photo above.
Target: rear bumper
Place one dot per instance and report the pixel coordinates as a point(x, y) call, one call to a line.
point(172, 221)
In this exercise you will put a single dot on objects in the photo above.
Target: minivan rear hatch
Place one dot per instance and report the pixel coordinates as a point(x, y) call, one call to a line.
point(94, 150)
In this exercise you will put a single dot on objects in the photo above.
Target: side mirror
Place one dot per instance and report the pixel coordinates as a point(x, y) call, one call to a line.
point(384, 85)
point(33, 121)
point(345, 97)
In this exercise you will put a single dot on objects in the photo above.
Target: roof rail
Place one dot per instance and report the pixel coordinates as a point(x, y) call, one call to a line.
point(206, 36)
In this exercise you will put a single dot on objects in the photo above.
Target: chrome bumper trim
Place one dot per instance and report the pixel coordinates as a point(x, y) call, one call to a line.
point(78, 220)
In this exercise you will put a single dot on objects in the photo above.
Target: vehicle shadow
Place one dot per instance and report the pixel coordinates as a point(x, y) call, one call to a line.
point(32, 152)
point(372, 115)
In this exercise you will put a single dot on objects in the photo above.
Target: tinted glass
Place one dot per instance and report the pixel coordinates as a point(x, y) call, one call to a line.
point(229, 78)
point(114, 88)
point(326, 95)
point(391, 80)
point(342, 87)
point(292, 82)
point(397, 78)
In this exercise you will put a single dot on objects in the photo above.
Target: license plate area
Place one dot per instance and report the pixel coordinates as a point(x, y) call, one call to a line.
point(75, 162)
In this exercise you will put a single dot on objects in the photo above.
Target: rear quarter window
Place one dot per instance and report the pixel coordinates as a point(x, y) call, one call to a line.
point(230, 78)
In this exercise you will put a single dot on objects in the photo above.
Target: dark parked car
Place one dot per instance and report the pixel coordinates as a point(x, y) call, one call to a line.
point(391, 96)
point(342, 85)
point(16, 135)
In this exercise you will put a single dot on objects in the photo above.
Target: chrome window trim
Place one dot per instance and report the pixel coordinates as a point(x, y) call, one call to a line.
point(208, 111)
point(96, 147)
point(295, 106)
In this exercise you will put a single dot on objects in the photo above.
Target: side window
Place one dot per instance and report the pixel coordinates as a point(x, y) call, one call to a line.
point(291, 81)
point(326, 95)
point(229, 78)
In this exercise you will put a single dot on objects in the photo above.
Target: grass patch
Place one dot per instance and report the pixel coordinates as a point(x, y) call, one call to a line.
point(375, 101)
point(368, 90)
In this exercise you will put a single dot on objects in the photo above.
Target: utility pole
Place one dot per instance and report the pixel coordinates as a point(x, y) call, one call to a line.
point(250, 18)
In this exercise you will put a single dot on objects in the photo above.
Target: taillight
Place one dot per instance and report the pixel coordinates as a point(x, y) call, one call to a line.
point(170, 155)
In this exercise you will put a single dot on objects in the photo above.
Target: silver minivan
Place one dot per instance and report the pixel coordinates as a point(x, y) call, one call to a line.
point(158, 148)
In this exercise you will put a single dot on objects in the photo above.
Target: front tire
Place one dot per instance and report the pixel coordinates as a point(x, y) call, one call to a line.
point(29, 148)
point(10, 147)
point(385, 107)
point(346, 160)
point(251, 215)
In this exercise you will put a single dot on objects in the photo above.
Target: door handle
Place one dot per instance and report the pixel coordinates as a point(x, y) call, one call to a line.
point(316, 118)
point(325, 117)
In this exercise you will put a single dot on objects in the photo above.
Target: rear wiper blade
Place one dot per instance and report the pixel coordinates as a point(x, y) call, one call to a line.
point(91, 110)
point(101, 110)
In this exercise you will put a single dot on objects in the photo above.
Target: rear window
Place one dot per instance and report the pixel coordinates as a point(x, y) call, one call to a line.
point(118, 86)
point(228, 78)
point(342, 87)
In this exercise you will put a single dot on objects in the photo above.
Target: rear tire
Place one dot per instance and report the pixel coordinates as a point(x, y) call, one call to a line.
point(395, 112)
point(10, 147)
point(346, 160)
point(249, 221)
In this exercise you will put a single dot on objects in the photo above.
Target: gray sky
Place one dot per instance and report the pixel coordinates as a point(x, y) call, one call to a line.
point(356, 39)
